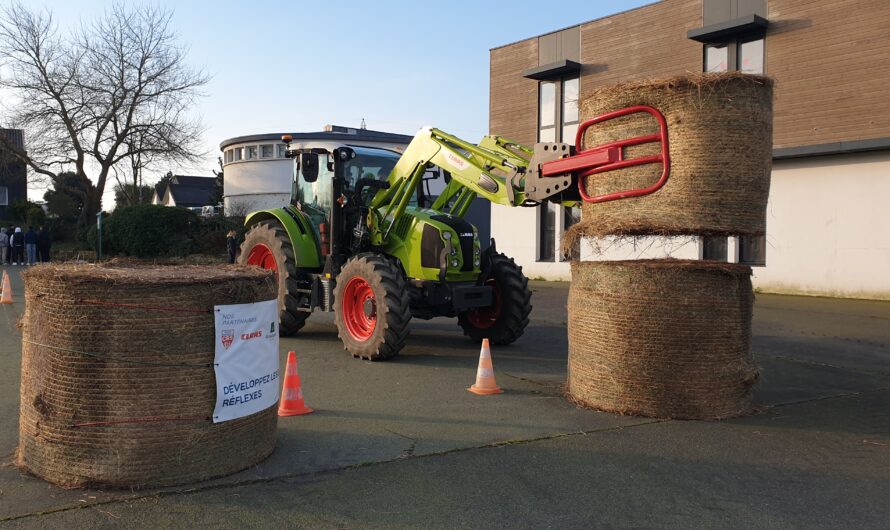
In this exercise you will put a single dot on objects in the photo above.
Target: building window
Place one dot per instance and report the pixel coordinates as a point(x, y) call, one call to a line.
point(547, 112)
point(251, 152)
point(751, 57)
point(569, 110)
point(558, 118)
point(547, 235)
point(716, 58)
point(4, 196)
point(714, 248)
point(236, 154)
point(743, 55)
point(228, 156)
point(282, 151)
point(752, 251)
point(267, 151)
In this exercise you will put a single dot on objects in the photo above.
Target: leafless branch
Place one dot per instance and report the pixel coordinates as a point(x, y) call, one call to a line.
point(116, 91)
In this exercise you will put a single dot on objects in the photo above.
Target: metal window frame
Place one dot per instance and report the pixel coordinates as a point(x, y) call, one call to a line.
point(558, 125)
point(733, 49)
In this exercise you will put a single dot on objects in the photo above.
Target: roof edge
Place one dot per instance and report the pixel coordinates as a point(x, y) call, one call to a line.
point(360, 135)
point(578, 24)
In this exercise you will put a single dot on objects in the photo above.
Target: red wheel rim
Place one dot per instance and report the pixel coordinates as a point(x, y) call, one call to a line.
point(485, 317)
point(261, 256)
point(359, 309)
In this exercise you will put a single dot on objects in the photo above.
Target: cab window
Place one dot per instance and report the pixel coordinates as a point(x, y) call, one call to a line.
point(315, 199)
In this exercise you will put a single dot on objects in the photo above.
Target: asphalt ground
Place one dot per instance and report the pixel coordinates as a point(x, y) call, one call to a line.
point(402, 444)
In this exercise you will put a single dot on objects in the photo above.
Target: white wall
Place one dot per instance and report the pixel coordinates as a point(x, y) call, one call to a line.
point(240, 205)
point(515, 231)
point(257, 185)
point(641, 247)
point(253, 176)
point(828, 227)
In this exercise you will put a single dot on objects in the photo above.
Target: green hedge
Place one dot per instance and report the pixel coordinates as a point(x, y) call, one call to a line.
point(148, 230)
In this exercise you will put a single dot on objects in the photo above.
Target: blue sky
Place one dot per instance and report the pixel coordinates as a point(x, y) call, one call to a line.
point(296, 66)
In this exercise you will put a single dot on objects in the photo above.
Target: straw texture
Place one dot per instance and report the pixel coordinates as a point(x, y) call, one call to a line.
point(118, 384)
point(720, 144)
point(661, 338)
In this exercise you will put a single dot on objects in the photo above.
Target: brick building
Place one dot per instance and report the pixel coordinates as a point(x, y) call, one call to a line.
point(827, 230)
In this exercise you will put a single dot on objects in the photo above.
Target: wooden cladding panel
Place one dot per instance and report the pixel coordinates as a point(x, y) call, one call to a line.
point(831, 62)
point(513, 99)
point(648, 42)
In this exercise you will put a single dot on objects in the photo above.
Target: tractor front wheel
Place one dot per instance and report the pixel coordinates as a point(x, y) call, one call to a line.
point(267, 245)
point(506, 318)
point(371, 307)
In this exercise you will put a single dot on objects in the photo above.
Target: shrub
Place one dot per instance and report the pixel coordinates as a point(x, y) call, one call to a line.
point(211, 234)
point(148, 230)
point(36, 216)
point(27, 212)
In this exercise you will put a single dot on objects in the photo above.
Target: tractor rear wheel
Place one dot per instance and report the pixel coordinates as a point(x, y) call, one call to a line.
point(506, 318)
point(267, 245)
point(371, 307)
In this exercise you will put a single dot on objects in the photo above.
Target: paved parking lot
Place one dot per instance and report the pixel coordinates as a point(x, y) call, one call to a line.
point(403, 444)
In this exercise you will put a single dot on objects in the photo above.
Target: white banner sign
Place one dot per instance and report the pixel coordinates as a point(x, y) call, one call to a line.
point(246, 359)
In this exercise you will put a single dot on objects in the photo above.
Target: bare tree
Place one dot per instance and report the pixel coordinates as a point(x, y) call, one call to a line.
point(116, 90)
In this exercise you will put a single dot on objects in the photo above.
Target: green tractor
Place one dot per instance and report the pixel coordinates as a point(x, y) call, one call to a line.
point(364, 238)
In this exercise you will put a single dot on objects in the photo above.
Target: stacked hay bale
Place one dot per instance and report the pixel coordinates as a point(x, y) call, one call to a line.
point(670, 338)
point(118, 384)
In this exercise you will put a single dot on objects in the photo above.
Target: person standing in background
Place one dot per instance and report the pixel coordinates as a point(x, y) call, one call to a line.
point(31, 245)
point(17, 242)
point(43, 243)
point(9, 232)
point(4, 247)
point(230, 245)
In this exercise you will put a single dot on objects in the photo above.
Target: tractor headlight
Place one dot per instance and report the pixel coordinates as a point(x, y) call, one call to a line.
point(454, 263)
point(477, 262)
point(477, 251)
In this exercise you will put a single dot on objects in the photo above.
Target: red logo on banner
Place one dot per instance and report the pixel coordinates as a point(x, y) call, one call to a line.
point(228, 336)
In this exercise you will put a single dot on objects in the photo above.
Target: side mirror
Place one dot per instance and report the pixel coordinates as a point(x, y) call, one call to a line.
point(309, 166)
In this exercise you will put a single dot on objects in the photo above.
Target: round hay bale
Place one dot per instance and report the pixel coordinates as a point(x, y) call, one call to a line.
point(661, 338)
point(720, 144)
point(118, 385)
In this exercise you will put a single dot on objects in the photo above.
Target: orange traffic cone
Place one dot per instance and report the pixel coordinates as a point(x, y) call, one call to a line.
point(485, 383)
point(292, 395)
point(6, 297)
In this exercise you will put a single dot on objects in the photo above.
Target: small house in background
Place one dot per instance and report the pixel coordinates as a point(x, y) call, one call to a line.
point(186, 191)
point(13, 174)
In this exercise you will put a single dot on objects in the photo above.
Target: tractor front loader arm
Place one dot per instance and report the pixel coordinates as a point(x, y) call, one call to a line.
point(511, 174)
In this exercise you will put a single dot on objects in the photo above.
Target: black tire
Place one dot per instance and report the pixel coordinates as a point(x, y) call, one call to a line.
point(370, 329)
point(506, 320)
point(274, 237)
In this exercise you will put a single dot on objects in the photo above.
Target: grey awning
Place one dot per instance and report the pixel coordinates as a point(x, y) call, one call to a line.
point(723, 30)
point(553, 70)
